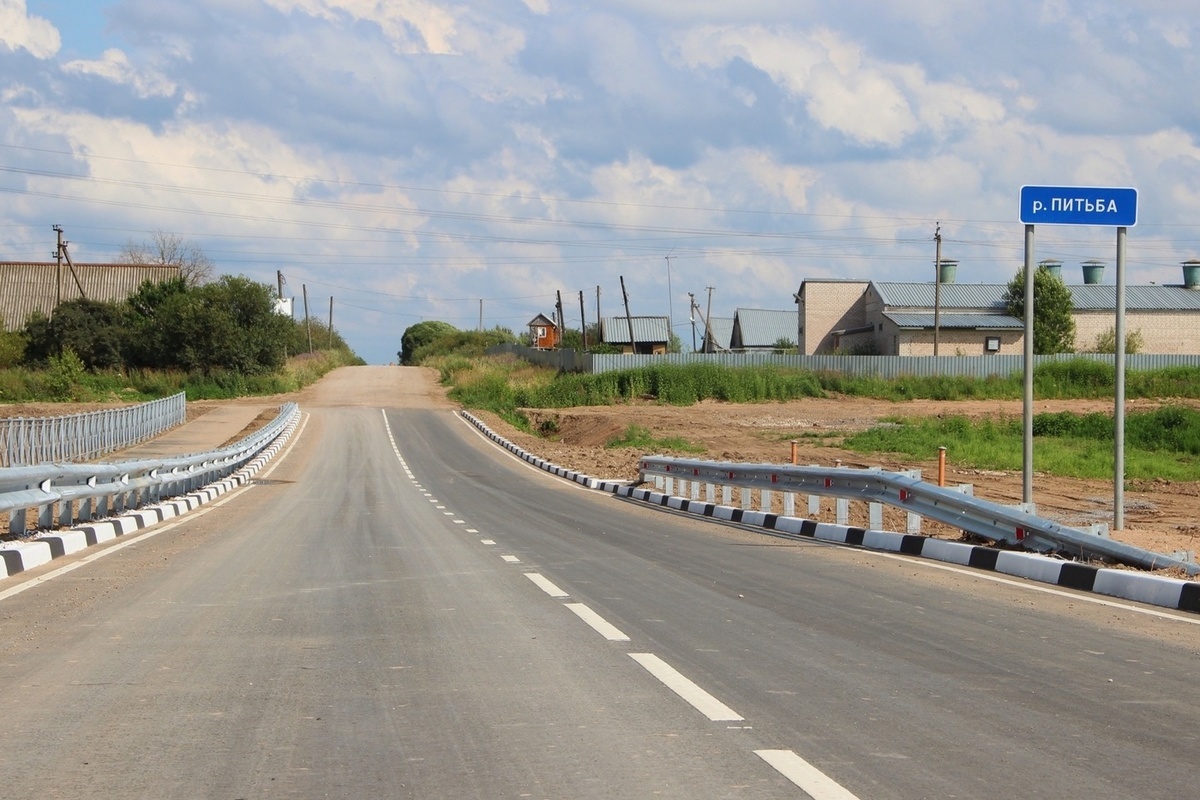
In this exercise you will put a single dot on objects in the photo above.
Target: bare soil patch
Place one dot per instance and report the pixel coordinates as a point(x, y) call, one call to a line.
point(1160, 515)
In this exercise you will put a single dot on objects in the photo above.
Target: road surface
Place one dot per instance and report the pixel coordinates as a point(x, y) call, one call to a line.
point(397, 608)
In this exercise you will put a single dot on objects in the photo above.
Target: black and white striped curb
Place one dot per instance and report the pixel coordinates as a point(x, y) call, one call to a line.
point(17, 557)
point(1126, 584)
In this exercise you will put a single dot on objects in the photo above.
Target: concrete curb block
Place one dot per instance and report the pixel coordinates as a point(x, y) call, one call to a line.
point(16, 557)
point(1172, 593)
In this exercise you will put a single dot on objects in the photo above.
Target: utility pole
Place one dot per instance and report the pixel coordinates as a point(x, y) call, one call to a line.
point(562, 325)
point(628, 317)
point(58, 254)
point(599, 319)
point(330, 345)
point(481, 315)
point(708, 342)
point(279, 280)
point(670, 300)
point(307, 321)
point(937, 288)
point(582, 320)
point(692, 317)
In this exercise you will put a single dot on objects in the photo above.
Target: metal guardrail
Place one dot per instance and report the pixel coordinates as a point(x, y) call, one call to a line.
point(992, 521)
point(85, 492)
point(26, 441)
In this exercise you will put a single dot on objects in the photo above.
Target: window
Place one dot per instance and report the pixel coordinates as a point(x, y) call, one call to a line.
point(992, 344)
point(541, 332)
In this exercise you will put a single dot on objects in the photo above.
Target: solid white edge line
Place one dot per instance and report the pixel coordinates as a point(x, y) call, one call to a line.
point(545, 585)
point(811, 780)
point(699, 699)
point(599, 624)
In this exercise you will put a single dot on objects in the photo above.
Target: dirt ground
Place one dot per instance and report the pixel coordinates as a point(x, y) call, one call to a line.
point(1160, 515)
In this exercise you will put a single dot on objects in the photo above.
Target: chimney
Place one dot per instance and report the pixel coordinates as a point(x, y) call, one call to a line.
point(1191, 274)
point(1093, 272)
point(1053, 266)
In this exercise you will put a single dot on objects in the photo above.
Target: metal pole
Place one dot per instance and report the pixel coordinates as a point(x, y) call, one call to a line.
point(1119, 402)
point(1027, 415)
point(937, 290)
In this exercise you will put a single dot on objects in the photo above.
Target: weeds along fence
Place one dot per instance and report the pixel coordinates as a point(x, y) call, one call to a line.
point(26, 441)
point(886, 367)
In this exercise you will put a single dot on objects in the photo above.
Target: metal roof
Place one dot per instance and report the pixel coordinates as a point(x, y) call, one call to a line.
point(615, 330)
point(722, 331)
point(990, 296)
point(26, 287)
point(756, 327)
point(955, 320)
point(953, 295)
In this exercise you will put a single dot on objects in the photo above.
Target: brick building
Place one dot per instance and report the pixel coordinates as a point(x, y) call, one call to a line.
point(894, 318)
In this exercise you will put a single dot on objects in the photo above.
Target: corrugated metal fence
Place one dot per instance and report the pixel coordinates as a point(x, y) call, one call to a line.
point(79, 437)
point(879, 366)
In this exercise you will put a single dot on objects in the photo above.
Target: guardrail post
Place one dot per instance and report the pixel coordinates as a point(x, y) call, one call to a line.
point(727, 495)
point(814, 505)
point(766, 500)
point(875, 512)
point(45, 516)
point(789, 504)
point(669, 486)
point(710, 493)
point(695, 490)
point(746, 493)
point(843, 511)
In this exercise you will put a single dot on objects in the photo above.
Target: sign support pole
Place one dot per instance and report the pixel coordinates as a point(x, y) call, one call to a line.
point(1119, 404)
point(1027, 405)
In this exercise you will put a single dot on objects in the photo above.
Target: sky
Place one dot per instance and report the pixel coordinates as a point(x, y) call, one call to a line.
point(468, 162)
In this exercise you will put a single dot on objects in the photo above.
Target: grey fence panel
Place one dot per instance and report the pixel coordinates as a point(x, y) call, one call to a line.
point(26, 441)
point(879, 366)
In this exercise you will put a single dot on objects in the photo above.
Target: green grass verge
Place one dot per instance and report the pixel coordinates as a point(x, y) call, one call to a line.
point(1164, 443)
point(641, 438)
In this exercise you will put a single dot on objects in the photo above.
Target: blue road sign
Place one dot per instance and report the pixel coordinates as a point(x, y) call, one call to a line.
point(1078, 205)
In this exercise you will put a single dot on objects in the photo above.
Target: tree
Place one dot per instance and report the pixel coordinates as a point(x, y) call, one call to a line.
point(230, 324)
point(1053, 318)
point(168, 249)
point(1106, 342)
point(92, 330)
point(419, 335)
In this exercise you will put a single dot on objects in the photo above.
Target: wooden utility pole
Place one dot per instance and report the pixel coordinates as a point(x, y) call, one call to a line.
point(582, 320)
point(279, 280)
point(58, 254)
point(307, 321)
point(692, 316)
point(628, 317)
point(562, 325)
point(937, 287)
point(330, 345)
point(708, 342)
point(481, 315)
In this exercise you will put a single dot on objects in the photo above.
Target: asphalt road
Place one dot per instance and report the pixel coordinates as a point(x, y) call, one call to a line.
point(440, 620)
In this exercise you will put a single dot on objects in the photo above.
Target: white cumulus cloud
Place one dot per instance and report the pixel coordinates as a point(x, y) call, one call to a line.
point(20, 31)
point(115, 66)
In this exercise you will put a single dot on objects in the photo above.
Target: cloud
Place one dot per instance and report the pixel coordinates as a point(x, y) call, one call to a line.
point(19, 30)
point(844, 89)
point(114, 66)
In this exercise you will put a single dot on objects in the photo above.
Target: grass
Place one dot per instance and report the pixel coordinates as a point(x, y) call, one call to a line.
point(642, 439)
point(66, 381)
point(1164, 443)
point(1160, 444)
